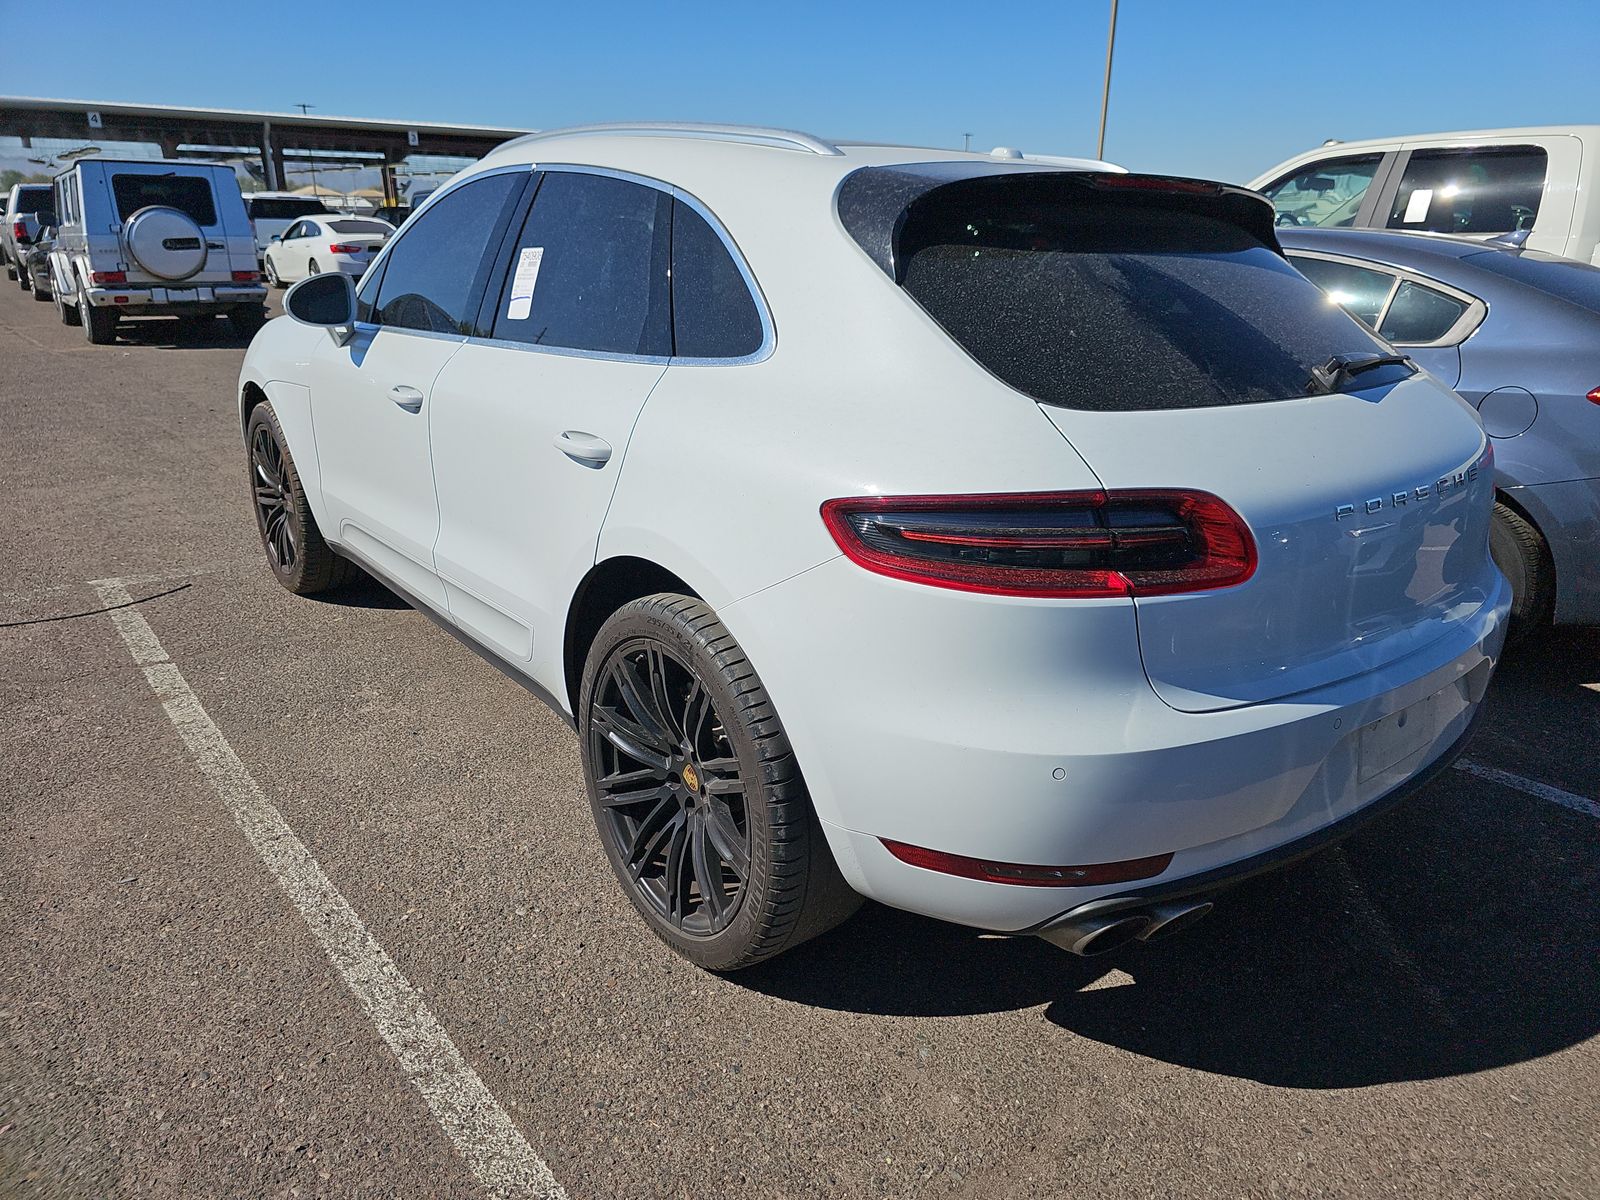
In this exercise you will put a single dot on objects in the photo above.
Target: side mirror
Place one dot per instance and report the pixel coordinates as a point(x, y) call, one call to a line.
point(277, 237)
point(327, 300)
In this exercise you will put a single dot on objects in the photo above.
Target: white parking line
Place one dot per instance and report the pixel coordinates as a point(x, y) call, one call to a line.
point(482, 1131)
point(1532, 787)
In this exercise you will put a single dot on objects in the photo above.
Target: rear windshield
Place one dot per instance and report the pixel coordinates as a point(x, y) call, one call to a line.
point(358, 226)
point(186, 193)
point(276, 208)
point(1117, 303)
point(1573, 281)
point(34, 199)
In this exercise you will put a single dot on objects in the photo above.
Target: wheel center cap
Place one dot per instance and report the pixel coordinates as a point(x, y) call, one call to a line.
point(691, 777)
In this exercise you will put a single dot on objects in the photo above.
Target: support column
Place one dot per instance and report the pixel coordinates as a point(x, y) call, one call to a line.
point(269, 158)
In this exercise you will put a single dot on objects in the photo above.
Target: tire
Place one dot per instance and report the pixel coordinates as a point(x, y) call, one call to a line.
point(39, 294)
point(732, 776)
point(67, 312)
point(1522, 557)
point(293, 544)
point(247, 322)
point(11, 271)
point(24, 280)
point(99, 324)
point(272, 274)
point(312, 268)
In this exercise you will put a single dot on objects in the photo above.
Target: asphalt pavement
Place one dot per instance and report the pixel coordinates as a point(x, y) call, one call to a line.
point(185, 1010)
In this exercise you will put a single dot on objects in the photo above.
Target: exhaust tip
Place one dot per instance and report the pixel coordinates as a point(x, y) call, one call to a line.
point(1090, 936)
point(1167, 919)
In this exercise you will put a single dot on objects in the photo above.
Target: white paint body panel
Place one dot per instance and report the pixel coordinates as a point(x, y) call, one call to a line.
point(927, 715)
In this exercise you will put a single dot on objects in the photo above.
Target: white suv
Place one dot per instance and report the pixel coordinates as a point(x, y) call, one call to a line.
point(1026, 546)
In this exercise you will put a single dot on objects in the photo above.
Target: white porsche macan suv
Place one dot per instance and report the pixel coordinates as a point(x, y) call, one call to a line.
point(1022, 544)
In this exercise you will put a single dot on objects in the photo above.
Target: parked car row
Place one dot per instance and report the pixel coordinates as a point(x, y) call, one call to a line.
point(860, 572)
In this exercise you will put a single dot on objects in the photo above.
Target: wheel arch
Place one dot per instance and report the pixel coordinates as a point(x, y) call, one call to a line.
point(607, 586)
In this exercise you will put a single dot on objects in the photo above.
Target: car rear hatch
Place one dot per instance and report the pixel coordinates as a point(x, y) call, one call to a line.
point(209, 197)
point(1165, 337)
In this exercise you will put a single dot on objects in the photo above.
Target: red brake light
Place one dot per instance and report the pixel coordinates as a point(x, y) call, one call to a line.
point(1144, 542)
point(246, 276)
point(345, 248)
point(1155, 183)
point(108, 277)
point(1019, 873)
point(1594, 396)
point(19, 230)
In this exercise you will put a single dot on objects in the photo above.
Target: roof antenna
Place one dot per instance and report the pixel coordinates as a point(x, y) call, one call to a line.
point(1512, 240)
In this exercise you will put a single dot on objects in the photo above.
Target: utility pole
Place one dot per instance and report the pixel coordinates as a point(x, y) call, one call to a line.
point(966, 141)
point(1105, 96)
point(305, 110)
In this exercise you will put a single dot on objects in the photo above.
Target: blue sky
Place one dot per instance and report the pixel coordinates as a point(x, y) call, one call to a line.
point(1224, 88)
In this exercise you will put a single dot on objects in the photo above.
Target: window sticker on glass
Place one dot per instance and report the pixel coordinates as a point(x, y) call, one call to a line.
point(1417, 206)
point(522, 283)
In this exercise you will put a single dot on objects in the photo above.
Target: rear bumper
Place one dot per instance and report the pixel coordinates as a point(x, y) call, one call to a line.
point(163, 301)
point(1016, 732)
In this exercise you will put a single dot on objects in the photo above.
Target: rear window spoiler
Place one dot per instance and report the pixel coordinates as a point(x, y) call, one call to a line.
point(874, 202)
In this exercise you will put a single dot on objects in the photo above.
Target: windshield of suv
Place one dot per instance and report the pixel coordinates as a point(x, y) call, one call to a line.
point(279, 208)
point(1121, 302)
point(187, 193)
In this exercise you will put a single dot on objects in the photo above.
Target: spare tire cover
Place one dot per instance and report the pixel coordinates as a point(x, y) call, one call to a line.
point(165, 242)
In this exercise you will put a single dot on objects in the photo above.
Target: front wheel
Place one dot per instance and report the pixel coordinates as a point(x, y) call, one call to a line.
point(699, 801)
point(298, 556)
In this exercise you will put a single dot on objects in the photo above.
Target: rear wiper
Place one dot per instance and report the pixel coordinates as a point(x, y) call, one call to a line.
point(1332, 375)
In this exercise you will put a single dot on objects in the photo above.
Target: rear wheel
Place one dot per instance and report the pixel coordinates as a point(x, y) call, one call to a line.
point(272, 274)
point(699, 801)
point(66, 311)
point(312, 268)
point(99, 324)
point(1521, 555)
point(39, 294)
point(298, 556)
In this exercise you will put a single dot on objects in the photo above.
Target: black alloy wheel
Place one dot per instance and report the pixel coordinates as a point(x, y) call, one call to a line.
point(298, 556)
point(273, 500)
point(670, 788)
point(696, 793)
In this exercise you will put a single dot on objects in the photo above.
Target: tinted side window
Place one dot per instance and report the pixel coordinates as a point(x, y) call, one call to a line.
point(1327, 194)
point(1358, 290)
point(590, 268)
point(1420, 314)
point(186, 193)
point(1470, 191)
point(713, 313)
point(436, 269)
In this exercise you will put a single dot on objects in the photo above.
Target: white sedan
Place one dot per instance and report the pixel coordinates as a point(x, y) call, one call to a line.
point(327, 243)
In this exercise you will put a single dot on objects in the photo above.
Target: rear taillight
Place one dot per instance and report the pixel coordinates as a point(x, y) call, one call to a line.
point(1029, 876)
point(108, 277)
point(345, 248)
point(19, 230)
point(1146, 542)
point(1594, 396)
point(246, 276)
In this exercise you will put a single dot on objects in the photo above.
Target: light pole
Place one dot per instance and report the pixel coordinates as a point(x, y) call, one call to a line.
point(966, 141)
point(1105, 96)
point(305, 110)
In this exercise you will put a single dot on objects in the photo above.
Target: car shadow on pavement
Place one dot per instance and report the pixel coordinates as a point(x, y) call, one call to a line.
point(170, 333)
point(360, 591)
point(1457, 934)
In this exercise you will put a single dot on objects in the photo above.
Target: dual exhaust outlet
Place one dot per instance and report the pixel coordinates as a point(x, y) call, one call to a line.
point(1099, 933)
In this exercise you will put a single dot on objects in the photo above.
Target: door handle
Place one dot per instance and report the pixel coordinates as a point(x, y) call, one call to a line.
point(584, 448)
point(407, 398)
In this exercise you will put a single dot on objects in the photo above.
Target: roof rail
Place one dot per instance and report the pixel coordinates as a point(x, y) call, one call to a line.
point(788, 139)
